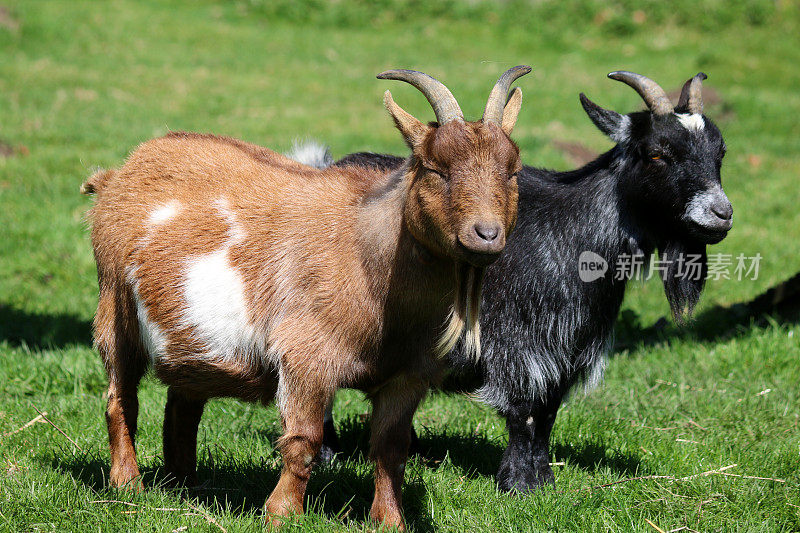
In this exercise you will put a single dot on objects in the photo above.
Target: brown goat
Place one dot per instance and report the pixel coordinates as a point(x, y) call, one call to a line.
point(234, 271)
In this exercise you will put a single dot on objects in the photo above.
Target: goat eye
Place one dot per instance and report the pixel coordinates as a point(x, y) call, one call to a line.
point(435, 172)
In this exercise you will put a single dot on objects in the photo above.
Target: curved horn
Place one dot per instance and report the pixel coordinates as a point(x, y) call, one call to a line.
point(441, 99)
point(692, 94)
point(497, 98)
point(653, 95)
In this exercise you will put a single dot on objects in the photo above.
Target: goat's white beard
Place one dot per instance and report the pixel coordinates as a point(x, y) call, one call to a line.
point(465, 313)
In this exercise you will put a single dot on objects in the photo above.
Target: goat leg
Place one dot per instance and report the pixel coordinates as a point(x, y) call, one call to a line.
point(393, 410)
point(121, 414)
point(301, 415)
point(525, 465)
point(182, 416)
point(331, 446)
point(125, 367)
point(330, 439)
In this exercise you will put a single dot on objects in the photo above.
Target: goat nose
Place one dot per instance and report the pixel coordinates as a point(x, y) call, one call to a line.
point(722, 208)
point(487, 232)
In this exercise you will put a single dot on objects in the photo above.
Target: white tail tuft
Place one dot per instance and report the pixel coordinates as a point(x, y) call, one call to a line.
point(311, 153)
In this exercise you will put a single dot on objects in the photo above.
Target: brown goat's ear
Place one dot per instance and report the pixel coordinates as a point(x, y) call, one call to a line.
point(412, 129)
point(511, 110)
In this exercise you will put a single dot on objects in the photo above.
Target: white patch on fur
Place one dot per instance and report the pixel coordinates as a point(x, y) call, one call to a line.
point(153, 337)
point(594, 375)
point(281, 394)
point(216, 307)
point(311, 153)
point(623, 133)
point(692, 122)
point(217, 310)
point(236, 232)
point(164, 213)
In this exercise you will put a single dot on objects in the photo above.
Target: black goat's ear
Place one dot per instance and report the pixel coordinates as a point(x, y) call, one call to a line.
point(609, 122)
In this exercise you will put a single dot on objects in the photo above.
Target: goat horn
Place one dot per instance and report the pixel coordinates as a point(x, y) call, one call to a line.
point(692, 94)
point(441, 99)
point(497, 98)
point(653, 95)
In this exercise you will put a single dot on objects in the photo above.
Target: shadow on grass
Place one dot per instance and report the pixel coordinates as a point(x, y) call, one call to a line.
point(779, 304)
point(336, 491)
point(42, 330)
point(479, 456)
point(591, 456)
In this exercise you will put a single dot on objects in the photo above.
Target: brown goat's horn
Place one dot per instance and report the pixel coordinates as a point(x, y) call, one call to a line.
point(653, 95)
point(497, 98)
point(692, 94)
point(441, 99)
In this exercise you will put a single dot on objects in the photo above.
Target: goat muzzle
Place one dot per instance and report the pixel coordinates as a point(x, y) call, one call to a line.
point(481, 242)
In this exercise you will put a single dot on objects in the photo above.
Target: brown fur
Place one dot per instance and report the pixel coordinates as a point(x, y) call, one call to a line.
point(347, 276)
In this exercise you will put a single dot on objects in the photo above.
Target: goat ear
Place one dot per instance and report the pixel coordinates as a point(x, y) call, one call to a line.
point(413, 130)
point(511, 110)
point(609, 122)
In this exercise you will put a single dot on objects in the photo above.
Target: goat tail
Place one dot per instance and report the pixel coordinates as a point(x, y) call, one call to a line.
point(96, 181)
point(311, 153)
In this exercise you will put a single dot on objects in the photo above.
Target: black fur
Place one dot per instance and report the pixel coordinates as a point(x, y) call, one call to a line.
point(545, 330)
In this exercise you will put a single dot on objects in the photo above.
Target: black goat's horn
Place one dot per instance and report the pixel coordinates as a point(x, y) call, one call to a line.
point(653, 95)
point(441, 99)
point(692, 94)
point(497, 98)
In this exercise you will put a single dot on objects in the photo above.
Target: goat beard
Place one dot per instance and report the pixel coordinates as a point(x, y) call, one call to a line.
point(683, 292)
point(465, 312)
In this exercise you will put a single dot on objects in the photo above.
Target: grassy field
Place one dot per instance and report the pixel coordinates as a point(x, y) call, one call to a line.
point(685, 426)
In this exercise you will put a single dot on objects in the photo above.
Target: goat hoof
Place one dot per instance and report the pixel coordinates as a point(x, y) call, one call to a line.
point(126, 479)
point(387, 518)
point(279, 510)
point(274, 522)
point(524, 482)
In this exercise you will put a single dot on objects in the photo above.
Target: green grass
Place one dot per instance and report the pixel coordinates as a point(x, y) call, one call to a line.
point(82, 83)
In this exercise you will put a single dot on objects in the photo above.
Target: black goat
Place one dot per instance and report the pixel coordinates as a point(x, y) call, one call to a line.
point(547, 324)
